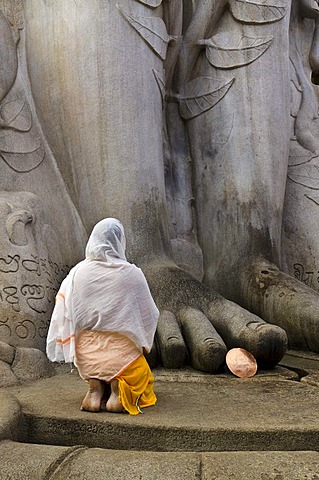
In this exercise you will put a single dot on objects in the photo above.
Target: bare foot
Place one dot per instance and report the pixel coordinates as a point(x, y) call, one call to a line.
point(93, 398)
point(113, 404)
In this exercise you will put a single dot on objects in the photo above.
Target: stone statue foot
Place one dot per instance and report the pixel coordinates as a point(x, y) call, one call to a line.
point(93, 398)
point(285, 301)
point(198, 326)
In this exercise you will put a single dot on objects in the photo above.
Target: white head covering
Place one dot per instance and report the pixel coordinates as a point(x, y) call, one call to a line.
point(107, 241)
point(103, 292)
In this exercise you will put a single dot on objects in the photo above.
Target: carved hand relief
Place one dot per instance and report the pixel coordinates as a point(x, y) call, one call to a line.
point(201, 94)
point(258, 11)
point(223, 51)
point(152, 30)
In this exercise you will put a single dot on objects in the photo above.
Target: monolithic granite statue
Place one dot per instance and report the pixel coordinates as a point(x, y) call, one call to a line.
point(174, 116)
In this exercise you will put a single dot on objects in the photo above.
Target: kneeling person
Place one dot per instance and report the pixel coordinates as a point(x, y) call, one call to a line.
point(104, 318)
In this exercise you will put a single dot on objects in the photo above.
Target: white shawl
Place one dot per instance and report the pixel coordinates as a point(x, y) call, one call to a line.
point(103, 292)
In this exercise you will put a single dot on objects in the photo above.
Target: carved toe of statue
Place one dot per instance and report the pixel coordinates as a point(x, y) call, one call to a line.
point(285, 301)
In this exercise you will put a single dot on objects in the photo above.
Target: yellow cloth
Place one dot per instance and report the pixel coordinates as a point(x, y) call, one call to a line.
point(136, 387)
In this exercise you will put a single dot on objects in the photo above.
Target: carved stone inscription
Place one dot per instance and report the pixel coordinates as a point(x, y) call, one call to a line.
point(27, 293)
point(308, 276)
point(30, 271)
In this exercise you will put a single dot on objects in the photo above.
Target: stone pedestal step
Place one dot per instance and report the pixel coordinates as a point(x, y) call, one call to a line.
point(21, 461)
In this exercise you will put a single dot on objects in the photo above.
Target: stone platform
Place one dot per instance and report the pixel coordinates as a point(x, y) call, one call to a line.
point(203, 427)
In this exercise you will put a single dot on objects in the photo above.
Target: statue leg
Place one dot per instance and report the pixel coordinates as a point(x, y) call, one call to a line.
point(241, 168)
